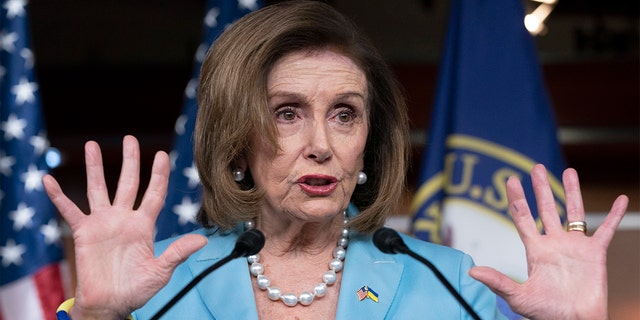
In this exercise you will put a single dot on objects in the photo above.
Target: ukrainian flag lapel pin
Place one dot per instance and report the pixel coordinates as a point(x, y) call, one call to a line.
point(366, 292)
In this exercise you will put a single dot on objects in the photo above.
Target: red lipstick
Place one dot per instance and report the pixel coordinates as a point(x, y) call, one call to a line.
point(318, 184)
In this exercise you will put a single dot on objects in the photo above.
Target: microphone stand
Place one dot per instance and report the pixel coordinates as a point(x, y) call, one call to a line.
point(250, 242)
point(388, 241)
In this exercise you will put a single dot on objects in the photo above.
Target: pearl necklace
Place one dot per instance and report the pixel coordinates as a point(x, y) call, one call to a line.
point(319, 290)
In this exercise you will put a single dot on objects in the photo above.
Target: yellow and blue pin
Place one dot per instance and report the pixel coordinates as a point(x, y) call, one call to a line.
point(366, 292)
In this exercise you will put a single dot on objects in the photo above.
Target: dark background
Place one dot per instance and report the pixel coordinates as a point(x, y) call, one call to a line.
point(114, 67)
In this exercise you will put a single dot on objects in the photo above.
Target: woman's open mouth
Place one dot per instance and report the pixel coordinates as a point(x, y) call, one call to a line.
point(318, 185)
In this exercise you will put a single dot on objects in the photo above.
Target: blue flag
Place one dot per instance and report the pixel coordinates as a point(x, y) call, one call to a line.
point(492, 119)
point(31, 253)
point(183, 198)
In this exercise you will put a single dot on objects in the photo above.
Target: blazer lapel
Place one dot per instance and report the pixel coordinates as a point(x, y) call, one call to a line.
point(227, 292)
point(379, 274)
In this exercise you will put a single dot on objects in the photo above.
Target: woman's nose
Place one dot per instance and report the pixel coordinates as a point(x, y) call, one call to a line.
point(318, 148)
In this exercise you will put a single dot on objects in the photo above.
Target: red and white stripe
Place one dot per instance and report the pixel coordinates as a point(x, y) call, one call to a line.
point(35, 297)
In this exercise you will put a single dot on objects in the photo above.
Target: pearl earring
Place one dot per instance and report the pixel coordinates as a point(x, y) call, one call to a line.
point(238, 174)
point(362, 177)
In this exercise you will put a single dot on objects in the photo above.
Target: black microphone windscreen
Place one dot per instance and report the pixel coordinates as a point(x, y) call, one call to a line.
point(388, 240)
point(249, 243)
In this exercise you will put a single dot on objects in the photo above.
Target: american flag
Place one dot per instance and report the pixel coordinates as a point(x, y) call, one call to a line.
point(31, 256)
point(362, 293)
point(183, 198)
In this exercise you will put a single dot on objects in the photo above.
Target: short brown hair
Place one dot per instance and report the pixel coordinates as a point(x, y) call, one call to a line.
point(232, 99)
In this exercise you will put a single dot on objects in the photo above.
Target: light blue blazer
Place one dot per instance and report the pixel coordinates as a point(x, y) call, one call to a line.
point(406, 288)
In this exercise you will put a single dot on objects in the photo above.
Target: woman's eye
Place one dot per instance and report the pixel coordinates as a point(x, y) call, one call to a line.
point(286, 114)
point(345, 116)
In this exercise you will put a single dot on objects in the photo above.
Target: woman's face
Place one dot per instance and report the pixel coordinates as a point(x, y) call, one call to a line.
point(318, 101)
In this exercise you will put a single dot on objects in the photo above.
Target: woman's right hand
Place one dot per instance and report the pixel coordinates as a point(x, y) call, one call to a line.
point(116, 269)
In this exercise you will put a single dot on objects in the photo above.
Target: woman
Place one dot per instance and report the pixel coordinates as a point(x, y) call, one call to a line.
point(302, 133)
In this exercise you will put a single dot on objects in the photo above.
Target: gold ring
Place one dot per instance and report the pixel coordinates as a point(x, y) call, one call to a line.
point(577, 226)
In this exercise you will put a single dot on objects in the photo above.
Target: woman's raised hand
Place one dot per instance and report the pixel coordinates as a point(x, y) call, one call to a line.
point(567, 270)
point(116, 269)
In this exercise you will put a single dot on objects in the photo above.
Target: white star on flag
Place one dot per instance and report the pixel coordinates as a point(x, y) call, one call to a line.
point(33, 178)
point(13, 127)
point(51, 232)
point(6, 162)
point(40, 143)
point(248, 4)
point(186, 211)
point(12, 253)
point(15, 8)
point(211, 19)
point(24, 91)
point(27, 55)
point(192, 176)
point(180, 123)
point(7, 41)
point(173, 157)
point(22, 216)
point(192, 85)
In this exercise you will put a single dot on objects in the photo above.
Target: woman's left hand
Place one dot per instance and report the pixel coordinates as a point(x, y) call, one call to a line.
point(567, 270)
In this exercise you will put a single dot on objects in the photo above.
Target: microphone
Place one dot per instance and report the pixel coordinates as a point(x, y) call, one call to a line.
point(389, 241)
point(249, 243)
